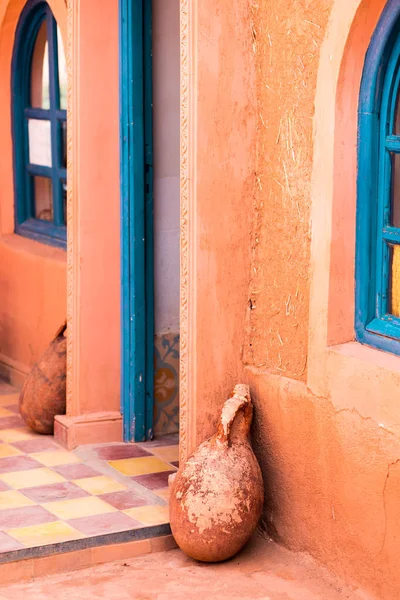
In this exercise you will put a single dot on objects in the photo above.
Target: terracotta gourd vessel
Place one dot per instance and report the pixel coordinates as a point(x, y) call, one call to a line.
point(43, 395)
point(216, 497)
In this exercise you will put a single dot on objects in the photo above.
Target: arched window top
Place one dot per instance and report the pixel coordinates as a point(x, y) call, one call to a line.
point(377, 320)
point(39, 93)
point(377, 56)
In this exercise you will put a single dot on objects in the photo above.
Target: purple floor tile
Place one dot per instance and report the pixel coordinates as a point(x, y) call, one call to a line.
point(121, 451)
point(12, 408)
point(7, 543)
point(11, 422)
point(125, 499)
point(55, 491)
point(23, 517)
point(36, 445)
point(107, 523)
point(76, 471)
point(18, 463)
point(154, 481)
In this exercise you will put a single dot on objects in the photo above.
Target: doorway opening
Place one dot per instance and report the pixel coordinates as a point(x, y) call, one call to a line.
point(150, 108)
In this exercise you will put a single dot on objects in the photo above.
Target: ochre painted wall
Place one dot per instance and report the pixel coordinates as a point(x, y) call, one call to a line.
point(32, 275)
point(276, 129)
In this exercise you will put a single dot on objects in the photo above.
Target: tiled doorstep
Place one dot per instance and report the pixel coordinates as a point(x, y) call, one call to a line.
point(54, 502)
point(121, 538)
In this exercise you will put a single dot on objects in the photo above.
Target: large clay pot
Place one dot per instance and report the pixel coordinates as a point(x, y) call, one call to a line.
point(43, 395)
point(217, 496)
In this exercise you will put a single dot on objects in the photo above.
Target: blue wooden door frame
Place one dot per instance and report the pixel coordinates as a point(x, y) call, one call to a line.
point(136, 156)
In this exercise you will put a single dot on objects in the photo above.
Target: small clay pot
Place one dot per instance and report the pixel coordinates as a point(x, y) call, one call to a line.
point(216, 498)
point(43, 395)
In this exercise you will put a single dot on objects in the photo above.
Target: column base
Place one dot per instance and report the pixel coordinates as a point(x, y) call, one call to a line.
point(93, 428)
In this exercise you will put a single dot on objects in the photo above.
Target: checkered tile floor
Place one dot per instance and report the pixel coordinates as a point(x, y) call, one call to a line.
point(51, 496)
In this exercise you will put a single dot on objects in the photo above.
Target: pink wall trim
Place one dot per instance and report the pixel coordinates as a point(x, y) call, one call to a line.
point(93, 296)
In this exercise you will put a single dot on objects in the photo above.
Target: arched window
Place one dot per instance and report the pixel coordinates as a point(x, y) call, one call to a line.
point(377, 320)
point(39, 92)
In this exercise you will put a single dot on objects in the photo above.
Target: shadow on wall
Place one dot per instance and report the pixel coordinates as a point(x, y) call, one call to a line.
point(166, 383)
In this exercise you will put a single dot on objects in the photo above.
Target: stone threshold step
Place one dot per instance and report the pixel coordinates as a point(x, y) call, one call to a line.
point(80, 554)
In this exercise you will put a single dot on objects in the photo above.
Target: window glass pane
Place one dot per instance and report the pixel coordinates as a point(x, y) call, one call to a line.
point(62, 71)
point(395, 199)
point(396, 121)
point(40, 96)
point(64, 195)
point(39, 142)
point(43, 198)
point(64, 144)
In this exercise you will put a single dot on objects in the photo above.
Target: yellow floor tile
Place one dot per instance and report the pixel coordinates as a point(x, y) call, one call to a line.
point(55, 458)
point(99, 485)
point(6, 413)
point(80, 507)
point(162, 493)
point(49, 533)
point(17, 435)
point(13, 499)
point(7, 450)
point(168, 453)
point(7, 399)
point(31, 478)
point(140, 466)
point(149, 515)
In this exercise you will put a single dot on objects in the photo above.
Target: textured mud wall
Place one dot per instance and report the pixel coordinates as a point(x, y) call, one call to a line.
point(286, 40)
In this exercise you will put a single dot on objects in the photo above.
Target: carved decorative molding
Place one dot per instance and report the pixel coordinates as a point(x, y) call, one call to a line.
point(188, 23)
point(183, 383)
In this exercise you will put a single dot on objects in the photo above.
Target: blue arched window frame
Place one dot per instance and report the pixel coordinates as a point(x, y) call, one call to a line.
point(52, 232)
point(379, 88)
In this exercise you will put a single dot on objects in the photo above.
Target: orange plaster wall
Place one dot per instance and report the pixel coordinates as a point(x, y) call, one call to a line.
point(32, 299)
point(330, 461)
point(32, 275)
point(332, 481)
